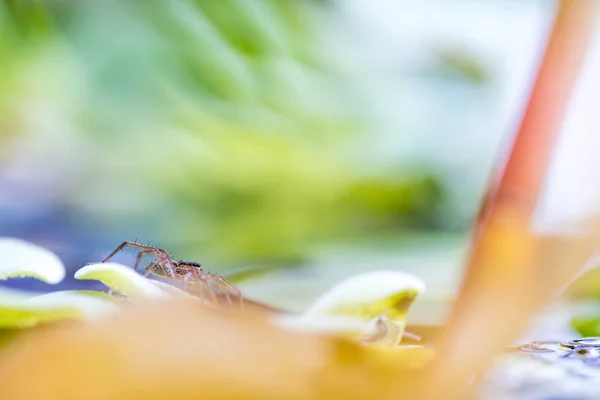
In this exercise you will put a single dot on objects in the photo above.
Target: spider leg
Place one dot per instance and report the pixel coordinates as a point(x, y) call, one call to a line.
point(150, 267)
point(223, 289)
point(205, 282)
point(411, 336)
point(164, 265)
point(186, 280)
point(205, 278)
point(167, 265)
point(198, 280)
point(128, 244)
point(139, 258)
point(190, 286)
point(202, 293)
point(223, 281)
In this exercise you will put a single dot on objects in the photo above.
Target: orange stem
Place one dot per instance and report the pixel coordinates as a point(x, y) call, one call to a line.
point(492, 308)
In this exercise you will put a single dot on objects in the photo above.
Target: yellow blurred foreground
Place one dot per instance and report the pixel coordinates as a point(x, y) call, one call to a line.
point(180, 350)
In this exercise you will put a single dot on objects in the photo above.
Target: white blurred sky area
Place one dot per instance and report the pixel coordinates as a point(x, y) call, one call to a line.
point(467, 129)
point(573, 185)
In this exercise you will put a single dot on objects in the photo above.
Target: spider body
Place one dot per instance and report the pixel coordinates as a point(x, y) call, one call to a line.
point(192, 274)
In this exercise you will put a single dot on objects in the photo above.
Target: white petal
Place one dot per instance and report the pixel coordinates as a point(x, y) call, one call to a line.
point(383, 296)
point(90, 306)
point(23, 259)
point(21, 310)
point(122, 279)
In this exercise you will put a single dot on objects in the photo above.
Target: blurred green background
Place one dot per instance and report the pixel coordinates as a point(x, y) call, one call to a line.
point(308, 139)
point(238, 133)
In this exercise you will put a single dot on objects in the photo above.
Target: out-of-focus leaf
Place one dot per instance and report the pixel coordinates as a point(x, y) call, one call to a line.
point(587, 325)
point(459, 63)
point(24, 259)
point(121, 279)
point(180, 350)
point(585, 286)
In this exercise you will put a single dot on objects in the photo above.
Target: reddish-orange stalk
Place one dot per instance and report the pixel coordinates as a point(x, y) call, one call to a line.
point(495, 301)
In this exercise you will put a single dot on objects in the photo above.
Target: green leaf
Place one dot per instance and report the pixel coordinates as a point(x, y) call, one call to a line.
point(24, 259)
point(122, 279)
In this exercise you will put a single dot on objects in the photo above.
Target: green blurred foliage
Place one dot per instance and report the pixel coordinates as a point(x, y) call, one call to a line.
point(223, 129)
point(586, 286)
point(587, 326)
point(460, 64)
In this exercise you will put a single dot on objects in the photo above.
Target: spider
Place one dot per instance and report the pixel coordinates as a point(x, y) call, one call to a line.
point(190, 273)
